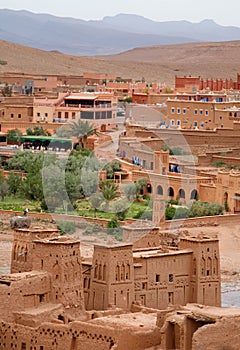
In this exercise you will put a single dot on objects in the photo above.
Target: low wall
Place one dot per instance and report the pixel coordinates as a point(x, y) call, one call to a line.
point(190, 222)
point(203, 221)
point(62, 217)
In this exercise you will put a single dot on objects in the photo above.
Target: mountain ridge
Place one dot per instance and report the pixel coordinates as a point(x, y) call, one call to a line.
point(111, 35)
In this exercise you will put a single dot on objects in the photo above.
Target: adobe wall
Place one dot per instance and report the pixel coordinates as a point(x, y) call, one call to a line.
point(207, 193)
point(224, 334)
point(163, 279)
point(209, 159)
point(76, 336)
point(22, 248)
point(61, 258)
point(205, 269)
point(21, 291)
point(197, 140)
point(112, 277)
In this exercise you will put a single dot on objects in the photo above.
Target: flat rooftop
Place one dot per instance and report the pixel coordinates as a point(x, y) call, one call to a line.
point(134, 321)
point(160, 252)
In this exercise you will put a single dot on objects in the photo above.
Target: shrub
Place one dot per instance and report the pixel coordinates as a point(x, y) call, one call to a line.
point(169, 213)
point(181, 213)
point(147, 215)
point(219, 164)
point(66, 227)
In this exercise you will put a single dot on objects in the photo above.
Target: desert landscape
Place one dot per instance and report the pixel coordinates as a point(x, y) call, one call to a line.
point(159, 63)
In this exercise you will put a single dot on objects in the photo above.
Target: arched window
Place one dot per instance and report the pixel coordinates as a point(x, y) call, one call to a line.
point(209, 267)
point(128, 272)
point(159, 190)
point(96, 270)
point(122, 277)
point(170, 192)
point(100, 272)
point(194, 267)
point(215, 265)
point(203, 266)
point(194, 194)
point(117, 273)
point(181, 193)
point(104, 272)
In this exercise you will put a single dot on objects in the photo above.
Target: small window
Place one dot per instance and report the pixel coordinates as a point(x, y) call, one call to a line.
point(195, 123)
point(220, 117)
point(23, 346)
point(178, 122)
point(12, 115)
point(38, 114)
point(19, 116)
point(172, 122)
point(178, 111)
point(46, 114)
point(157, 278)
point(195, 111)
point(173, 110)
point(170, 277)
point(201, 112)
point(206, 112)
point(184, 110)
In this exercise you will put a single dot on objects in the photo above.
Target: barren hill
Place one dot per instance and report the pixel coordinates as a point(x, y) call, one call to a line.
point(159, 63)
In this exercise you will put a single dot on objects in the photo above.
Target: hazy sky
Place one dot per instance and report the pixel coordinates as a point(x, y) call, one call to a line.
point(225, 12)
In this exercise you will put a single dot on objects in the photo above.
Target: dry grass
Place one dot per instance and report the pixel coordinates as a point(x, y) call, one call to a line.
point(160, 63)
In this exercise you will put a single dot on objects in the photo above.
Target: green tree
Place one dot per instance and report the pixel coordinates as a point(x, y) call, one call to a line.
point(112, 167)
point(4, 189)
point(38, 131)
point(109, 191)
point(15, 182)
point(82, 130)
point(64, 131)
point(120, 207)
point(96, 200)
point(130, 191)
point(7, 91)
point(141, 183)
point(14, 135)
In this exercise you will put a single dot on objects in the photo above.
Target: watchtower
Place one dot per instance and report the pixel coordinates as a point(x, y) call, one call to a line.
point(112, 277)
point(22, 248)
point(61, 257)
point(205, 277)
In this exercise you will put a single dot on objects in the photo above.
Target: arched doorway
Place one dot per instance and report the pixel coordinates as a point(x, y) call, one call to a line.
point(149, 188)
point(194, 195)
point(181, 193)
point(103, 127)
point(170, 192)
point(225, 201)
point(159, 190)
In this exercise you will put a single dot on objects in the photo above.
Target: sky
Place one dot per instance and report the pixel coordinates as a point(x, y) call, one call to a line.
point(224, 12)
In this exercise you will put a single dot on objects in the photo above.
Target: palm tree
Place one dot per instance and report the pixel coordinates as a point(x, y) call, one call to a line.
point(81, 130)
point(109, 191)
